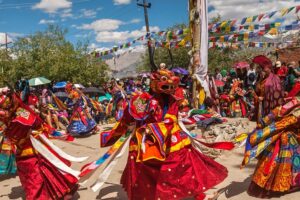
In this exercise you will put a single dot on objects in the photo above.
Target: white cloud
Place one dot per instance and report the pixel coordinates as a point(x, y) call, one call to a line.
point(102, 25)
point(108, 36)
point(88, 13)
point(66, 13)
point(3, 40)
point(121, 2)
point(45, 21)
point(135, 21)
point(122, 36)
point(96, 47)
point(52, 6)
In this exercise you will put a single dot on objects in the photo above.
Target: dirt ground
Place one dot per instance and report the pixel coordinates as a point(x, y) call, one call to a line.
point(234, 186)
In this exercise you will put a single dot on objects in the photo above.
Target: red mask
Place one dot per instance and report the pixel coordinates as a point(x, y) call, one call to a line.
point(164, 81)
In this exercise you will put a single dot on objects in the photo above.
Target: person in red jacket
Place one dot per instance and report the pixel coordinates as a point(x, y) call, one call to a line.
point(43, 170)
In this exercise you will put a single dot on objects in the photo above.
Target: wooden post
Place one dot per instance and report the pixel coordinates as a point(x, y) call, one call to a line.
point(195, 28)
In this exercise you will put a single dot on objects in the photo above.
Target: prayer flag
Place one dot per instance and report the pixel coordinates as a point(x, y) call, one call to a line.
point(254, 18)
point(297, 9)
point(233, 22)
point(223, 24)
point(222, 39)
point(246, 36)
point(260, 16)
point(290, 9)
point(244, 20)
point(272, 14)
point(249, 19)
point(284, 11)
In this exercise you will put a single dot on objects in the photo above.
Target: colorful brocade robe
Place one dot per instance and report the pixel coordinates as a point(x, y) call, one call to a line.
point(277, 147)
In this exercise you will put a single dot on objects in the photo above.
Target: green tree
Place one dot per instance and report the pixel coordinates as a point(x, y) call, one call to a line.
point(49, 54)
point(178, 57)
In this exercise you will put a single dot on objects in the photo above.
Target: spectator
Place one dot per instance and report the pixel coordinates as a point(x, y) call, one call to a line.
point(251, 76)
point(281, 70)
point(291, 77)
point(218, 74)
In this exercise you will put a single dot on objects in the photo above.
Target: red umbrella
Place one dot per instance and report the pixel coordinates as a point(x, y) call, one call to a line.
point(241, 65)
point(219, 83)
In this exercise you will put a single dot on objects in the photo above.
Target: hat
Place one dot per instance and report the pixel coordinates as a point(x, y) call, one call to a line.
point(278, 64)
point(262, 61)
point(292, 64)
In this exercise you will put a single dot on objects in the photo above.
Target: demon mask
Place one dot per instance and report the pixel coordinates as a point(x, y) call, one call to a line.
point(164, 81)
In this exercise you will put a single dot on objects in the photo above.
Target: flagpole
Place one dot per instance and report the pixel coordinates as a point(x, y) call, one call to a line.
point(195, 28)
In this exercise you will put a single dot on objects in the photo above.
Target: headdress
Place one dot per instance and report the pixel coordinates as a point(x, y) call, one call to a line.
point(263, 61)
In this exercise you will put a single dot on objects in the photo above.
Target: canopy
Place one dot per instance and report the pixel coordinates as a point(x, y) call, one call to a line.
point(79, 86)
point(60, 85)
point(38, 81)
point(61, 94)
point(241, 65)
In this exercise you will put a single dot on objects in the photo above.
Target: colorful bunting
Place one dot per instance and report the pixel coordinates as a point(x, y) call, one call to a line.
point(178, 38)
point(246, 44)
point(253, 18)
point(251, 27)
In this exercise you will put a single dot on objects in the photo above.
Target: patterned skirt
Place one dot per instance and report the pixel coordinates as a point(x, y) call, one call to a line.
point(184, 173)
point(41, 180)
point(278, 168)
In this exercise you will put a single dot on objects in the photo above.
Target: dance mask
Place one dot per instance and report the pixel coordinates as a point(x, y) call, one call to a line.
point(164, 81)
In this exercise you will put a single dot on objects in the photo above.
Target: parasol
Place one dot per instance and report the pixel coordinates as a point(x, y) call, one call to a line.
point(180, 70)
point(219, 83)
point(60, 85)
point(106, 97)
point(38, 81)
point(93, 90)
point(79, 86)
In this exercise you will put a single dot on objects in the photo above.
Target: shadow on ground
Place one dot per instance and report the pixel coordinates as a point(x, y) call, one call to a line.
point(235, 188)
point(7, 176)
point(111, 189)
point(17, 193)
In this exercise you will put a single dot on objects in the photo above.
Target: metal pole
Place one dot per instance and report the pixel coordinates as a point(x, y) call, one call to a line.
point(148, 5)
point(6, 47)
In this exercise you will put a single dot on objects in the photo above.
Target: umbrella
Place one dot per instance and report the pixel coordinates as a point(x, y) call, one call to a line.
point(38, 81)
point(241, 65)
point(103, 98)
point(180, 70)
point(79, 86)
point(219, 83)
point(61, 94)
point(60, 85)
point(93, 90)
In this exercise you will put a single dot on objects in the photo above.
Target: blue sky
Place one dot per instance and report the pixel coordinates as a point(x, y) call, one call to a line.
point(108, 22)
point(125, 20)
